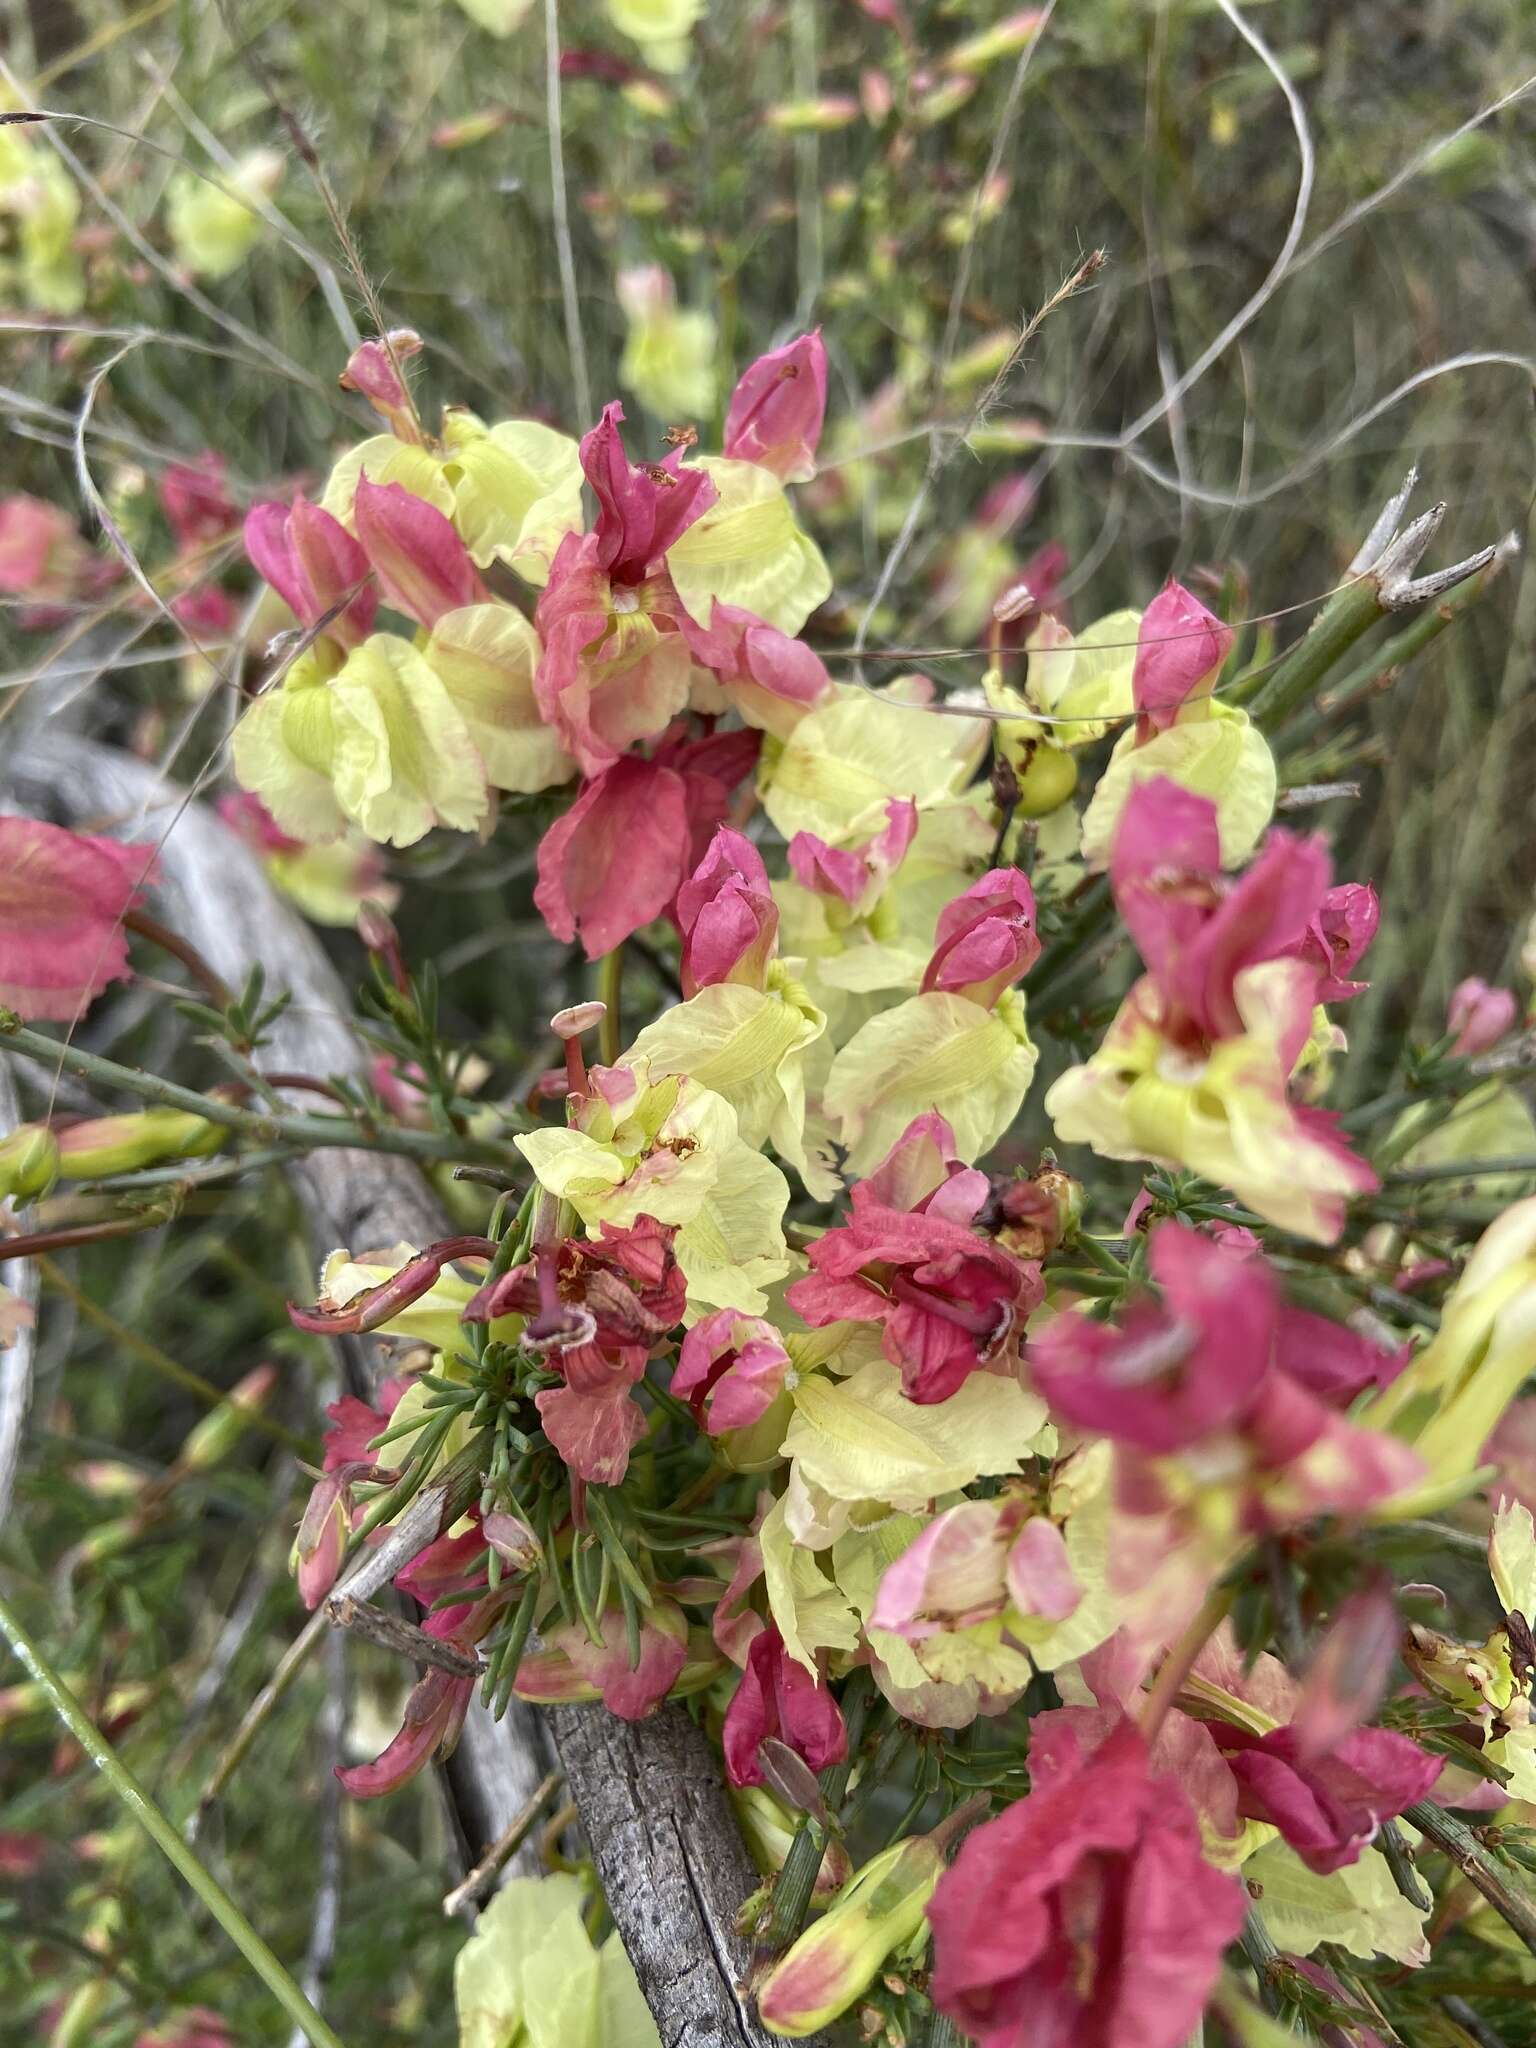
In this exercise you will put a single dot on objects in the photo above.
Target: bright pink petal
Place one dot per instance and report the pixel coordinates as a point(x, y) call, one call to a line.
point(776, 411)
point(423, 567)
point(63, 896)
point(615, 860)
point(1180, 647)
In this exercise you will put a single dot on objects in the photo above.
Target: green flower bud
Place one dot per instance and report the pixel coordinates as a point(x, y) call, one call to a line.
point(142, 1137)
point(211, 1440)
point(835, 1961)
point(29, 1161)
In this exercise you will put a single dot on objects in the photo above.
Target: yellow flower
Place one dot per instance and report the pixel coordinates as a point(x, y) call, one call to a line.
point(672, 1149)
point(933, 1051)
point(746, 550)
point(669, 355)
point(749, 1046)
point(213, 230)
point(512, 490)
point(660, 27)
point(38, 193)
point(845, 760)
point(485, 656)
point(1213, 751)
point(530, 1975)
point(1226, 1115)
point(1448, 1400)
point(377, 741)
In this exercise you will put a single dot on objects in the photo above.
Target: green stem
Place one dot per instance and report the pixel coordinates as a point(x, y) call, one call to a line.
point(1383, 665)
point(797, 1879)
point(610, 990)
point(307, 1132)
point(132, 1795)
point(1349, 613)
point(1458, 1842)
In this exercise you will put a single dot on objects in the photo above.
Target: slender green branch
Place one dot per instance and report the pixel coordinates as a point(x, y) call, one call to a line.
point(610, 990)
point(1457, 1841)
point(306, 1132)
point(1349, 613)
point(1382, 666)
point(137, 1801)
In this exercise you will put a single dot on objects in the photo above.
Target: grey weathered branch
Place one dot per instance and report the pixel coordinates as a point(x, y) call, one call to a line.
point(649, 1794)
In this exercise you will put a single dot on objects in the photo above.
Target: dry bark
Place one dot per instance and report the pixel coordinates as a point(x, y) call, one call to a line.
point(649, 1794)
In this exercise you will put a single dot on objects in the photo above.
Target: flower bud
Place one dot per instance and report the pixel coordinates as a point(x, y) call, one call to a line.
point(211, 1440)
point(770, 1827)
point(835, 1961)
point(729, 920)
point(513, 1541)
point(985, 939)
point(144, 1137)
point(1180, 650)
point(776, 411)
point(373, 368)
point(29, 1161)
point(1479, 1014)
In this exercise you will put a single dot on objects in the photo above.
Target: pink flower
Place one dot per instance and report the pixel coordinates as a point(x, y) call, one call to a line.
point(1042, 575)
point(197, 2027)
point(63, 898)
point(855, 874)
point(374, 1306)
point(969, 1563)
point(249, 818)
point(727, 916)
point(1196, 929)
point(641, 511)
point(1480, 1015)
point(372, 368)
point(627, 1281)
point(1180, 648)
point(771, 678)
point(985, 940)
point(430, 1727)
point(776, 411)
point(311, 561)
point(730, 1370)
point(424, 569)
point(615, 859)
point(1172, 1375)
point(948, 1299)
point(207, 611)
point(352, 1424)
point(320, 1545)
point(593, 1421)
point(39, 547)
point(1327, 1807)
point(1331, 1360)
point(1085, 1915)
point(778, 1698)
point(573, 1667)
point(1350, 1670)
point(194, 497)
point(1343, 926)
point(1512, 1448)
point(615, 666)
